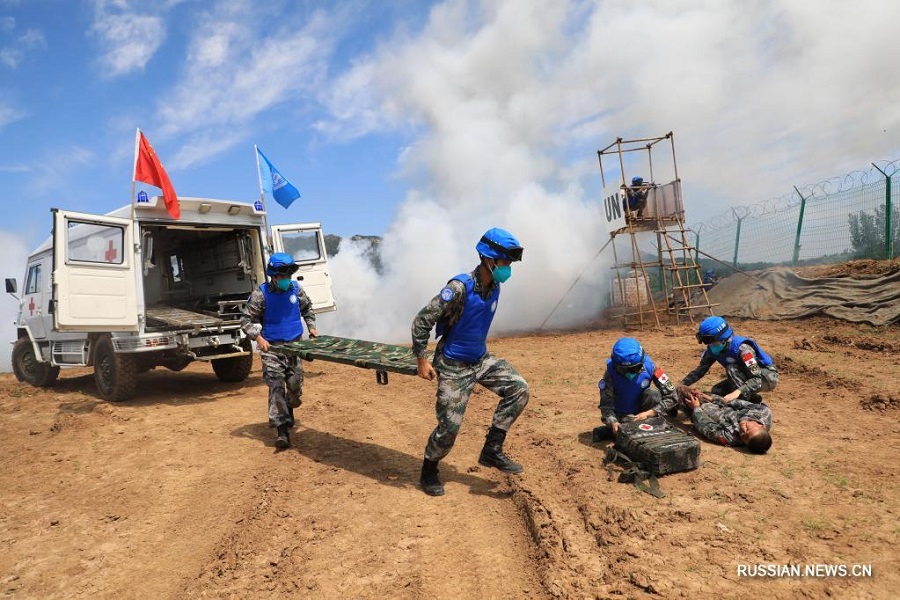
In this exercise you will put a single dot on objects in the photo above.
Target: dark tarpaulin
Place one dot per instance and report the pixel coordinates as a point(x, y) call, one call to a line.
point(779, 293)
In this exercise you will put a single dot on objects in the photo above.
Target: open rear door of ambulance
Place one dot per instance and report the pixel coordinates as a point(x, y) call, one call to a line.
point(93, 273)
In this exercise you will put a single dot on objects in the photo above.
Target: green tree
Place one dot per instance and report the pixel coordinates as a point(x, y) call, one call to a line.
point(867, 233)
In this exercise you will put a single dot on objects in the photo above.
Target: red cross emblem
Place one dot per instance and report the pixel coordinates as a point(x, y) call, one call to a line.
point(645, 427)
point(110, 255)
point(31, 306)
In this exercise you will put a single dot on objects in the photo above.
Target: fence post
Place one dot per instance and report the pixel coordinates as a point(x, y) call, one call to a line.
point(697, 247)
point(737, 238)
point(888, 232)
point(799, 228)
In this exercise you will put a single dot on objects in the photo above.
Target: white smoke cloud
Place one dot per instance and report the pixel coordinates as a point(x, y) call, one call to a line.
point(509, 101)
point(485, 157)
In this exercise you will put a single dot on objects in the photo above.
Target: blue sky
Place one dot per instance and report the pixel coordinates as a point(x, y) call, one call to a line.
point(429, 122)
point(204, 81)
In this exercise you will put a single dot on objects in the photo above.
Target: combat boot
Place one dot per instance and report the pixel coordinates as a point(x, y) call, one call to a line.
point(492, 453)
point(431, 484)
point(284, 437)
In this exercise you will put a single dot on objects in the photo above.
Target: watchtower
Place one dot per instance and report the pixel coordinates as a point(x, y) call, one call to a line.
point(665, 283)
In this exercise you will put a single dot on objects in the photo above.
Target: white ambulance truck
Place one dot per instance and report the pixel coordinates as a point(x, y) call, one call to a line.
point(136, 289)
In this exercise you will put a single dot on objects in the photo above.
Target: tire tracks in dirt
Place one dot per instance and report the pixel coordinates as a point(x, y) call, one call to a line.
point(340, 514)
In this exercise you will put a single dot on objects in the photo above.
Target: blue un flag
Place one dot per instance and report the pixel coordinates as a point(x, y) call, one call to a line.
point(278, 187)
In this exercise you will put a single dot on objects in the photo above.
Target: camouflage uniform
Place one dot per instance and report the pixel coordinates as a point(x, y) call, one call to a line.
point(718, 421)
point(747, 375)
point(660, 397)
point(283, 374)
point(457, 379)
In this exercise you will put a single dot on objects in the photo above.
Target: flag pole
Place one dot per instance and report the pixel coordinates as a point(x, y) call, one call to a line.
point(262, 199)
point(137, 137)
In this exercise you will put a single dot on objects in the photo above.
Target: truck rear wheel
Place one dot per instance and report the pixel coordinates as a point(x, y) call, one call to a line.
point(233, 369)
point(115, 373)
point(27, 367)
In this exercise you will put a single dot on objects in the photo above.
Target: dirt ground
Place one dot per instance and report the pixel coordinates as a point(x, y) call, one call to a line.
point(858, 269)
point(180, 492)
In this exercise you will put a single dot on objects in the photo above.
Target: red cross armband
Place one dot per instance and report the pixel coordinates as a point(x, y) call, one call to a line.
point(750, 361)
point(663, 379)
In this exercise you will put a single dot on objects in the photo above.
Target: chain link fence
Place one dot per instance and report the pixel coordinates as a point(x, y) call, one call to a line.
point(844, 218)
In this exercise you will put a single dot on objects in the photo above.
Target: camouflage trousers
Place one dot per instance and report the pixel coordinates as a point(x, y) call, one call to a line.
point(284, 376)
point(456, 380)
point(736, 378)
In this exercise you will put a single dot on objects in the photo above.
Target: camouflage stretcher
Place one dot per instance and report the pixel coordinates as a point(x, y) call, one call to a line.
point(358, 353)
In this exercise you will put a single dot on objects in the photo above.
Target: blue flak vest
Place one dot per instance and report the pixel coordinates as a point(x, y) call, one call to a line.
point(281, 318)
point(466, 340)
point(732, 351)
point(628, 392)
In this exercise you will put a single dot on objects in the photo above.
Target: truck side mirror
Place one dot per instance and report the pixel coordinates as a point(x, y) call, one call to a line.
point(10, 285)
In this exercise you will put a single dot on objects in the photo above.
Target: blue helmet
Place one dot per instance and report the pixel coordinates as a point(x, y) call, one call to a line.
point(712, 330)
point(281, 263)
point(637, 180)
point(627, 355)
point(500, 244)
point(710, 272)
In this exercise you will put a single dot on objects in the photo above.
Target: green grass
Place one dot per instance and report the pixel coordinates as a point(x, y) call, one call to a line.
point(838, 479)
point(815, 524)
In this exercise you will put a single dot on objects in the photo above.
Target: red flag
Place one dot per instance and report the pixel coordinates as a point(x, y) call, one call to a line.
point(148, 169)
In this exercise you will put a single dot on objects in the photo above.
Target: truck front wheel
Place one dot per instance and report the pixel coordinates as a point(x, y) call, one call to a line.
point(115, 373)
point(233, 369)
point(27, 367)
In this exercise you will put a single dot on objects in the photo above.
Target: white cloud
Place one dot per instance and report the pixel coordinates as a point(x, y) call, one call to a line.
point(129, 41)
point(9, 114)
point(15, 52)
point(247, 62)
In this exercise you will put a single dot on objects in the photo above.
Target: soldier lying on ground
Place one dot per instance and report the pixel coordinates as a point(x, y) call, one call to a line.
point(734, 423)
point(625, 390)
